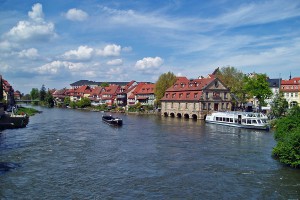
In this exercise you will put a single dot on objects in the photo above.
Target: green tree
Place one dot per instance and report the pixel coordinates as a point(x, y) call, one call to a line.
point(49, 100)
point(234, 81)
point(43, 93)
point(287, 135)
point(164, 81)
point(84, 102)
point(34, 94)
point(258, 87)
point(104, 84)
point(279, 105)
point(67, 101)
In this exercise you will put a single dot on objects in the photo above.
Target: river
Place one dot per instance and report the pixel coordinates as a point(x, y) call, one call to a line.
point(72, 154)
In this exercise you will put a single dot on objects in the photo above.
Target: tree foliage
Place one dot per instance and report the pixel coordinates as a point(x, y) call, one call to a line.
point(164, 81)
point(287, 135)
point(234, 81)
point(104, 84)
point(43, 93)
point(258, 87)
point(34, 94)
point(49, 100)
point(279, 106)
point(84, 102)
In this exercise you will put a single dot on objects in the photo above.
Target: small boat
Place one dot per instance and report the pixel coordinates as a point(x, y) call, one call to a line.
point(248, 120)
point(112, 120)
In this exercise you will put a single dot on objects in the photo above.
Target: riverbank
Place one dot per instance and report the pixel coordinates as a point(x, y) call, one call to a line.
point(28, 111)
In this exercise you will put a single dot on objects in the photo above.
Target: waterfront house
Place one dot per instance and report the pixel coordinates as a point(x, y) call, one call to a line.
point(195, 98)
point(95, 96)
point(143, 93)
point(76, 94)
point(59, 95)
point(291, 90)
point(124, 92)
point(274, 85)
point(109, 94)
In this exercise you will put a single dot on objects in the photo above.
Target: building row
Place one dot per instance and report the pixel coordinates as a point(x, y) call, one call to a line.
point(116, 93)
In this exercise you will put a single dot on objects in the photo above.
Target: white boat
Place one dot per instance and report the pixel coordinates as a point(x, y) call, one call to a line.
point(239, 119)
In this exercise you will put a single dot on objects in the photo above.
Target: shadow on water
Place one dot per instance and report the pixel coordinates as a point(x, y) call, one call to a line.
point(7, 166)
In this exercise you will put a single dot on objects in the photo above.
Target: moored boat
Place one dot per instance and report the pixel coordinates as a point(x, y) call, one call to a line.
point(112, 120)
point(239, 119)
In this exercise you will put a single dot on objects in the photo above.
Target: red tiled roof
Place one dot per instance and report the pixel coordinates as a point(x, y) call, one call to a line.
point(185, 89)
point(292, 85)
point(144, 88)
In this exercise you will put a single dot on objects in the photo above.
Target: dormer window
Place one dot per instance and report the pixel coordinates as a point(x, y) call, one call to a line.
point(173, 95)
point(180, 95)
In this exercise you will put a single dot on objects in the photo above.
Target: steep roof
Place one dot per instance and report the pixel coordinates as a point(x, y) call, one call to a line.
point(184, 84)
point(275, 82)
point(144, 88)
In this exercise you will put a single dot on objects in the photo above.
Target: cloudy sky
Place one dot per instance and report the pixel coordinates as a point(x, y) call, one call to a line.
point(56, 42)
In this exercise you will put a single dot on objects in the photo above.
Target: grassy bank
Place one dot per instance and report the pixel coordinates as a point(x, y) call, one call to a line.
point(28, 111)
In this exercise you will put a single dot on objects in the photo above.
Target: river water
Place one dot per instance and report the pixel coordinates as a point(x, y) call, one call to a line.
point(72, 154)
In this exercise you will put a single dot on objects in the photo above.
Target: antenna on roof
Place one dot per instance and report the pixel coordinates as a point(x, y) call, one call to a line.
point(290, 75)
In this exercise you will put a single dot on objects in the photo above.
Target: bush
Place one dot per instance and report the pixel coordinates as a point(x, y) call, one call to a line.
point(287, 135)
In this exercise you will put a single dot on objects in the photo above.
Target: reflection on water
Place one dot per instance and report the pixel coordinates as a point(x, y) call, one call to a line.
point(71, 154)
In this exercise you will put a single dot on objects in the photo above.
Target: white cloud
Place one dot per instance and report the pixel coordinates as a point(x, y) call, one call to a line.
point(149, 63)
point(31, 53)
point(110, 50)
point(115, 62)
point(36, 28)
point(6, 45)
point(83, 53)
point(56, 67)
point(37, 13)
point(76, 15)
point(127, 49)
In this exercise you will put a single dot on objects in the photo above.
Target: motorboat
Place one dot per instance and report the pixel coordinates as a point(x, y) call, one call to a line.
point(115, 121)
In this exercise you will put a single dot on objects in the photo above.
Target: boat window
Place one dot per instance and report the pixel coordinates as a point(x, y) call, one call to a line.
point(223, 119)
point(231, 119)
point(254, 121)
point(244, 120)
point(248, 121)
point(227, 119)
point(258, 121)
point(235, 121)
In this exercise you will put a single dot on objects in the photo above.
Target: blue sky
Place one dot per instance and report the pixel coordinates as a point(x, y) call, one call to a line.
point(56, 42)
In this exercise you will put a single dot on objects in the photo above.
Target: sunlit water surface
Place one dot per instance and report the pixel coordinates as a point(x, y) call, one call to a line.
point(71, 154)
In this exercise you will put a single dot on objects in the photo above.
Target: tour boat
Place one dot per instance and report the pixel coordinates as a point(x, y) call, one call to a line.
point(112, 121)
point(239, 119)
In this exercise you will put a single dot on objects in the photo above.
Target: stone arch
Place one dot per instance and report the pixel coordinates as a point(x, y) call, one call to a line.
point(195, 117)
point(172, 114)
point(186, 116)
point(166, 114)
point(179, 115)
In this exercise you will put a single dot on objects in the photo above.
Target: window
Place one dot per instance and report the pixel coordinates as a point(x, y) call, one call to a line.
point(204, 106)
point(186, 105)
point(207, 95)
point(225, 95)
point(167, 95)
point(173, 95)
point(194, 106)
point(180, 95)
point(187, 95)
point(209, 106)
point(172, 105)
point(195, 95)
point(292, 94)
